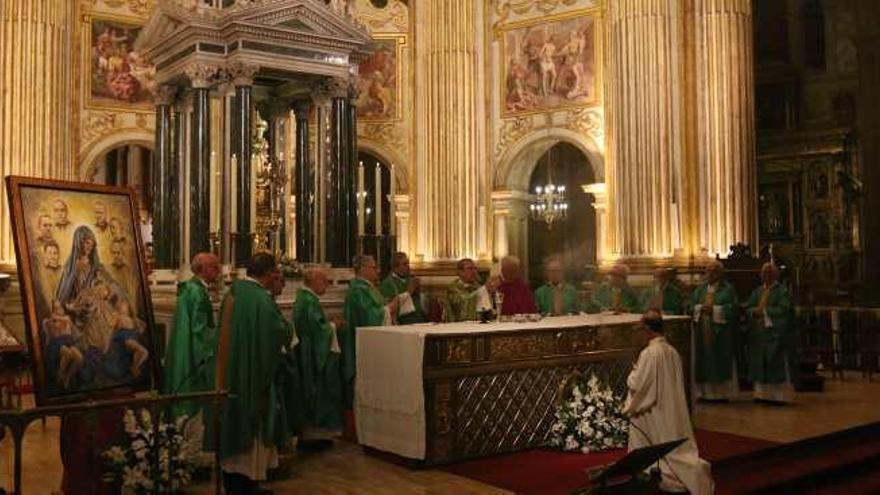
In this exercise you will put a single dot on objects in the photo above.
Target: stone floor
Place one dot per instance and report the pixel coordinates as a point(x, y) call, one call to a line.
point(347, 470)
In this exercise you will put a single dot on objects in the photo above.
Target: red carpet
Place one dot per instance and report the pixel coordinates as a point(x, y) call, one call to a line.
point(549, 472)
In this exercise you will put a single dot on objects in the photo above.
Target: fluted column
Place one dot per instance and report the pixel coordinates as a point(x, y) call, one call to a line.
point(449, 159)
point(201, 77)
point(600, 205)
point(36, 90)
point(646, 132)
point(243, 79)
point(304, 184)
point(162, 178)
point(725, 125)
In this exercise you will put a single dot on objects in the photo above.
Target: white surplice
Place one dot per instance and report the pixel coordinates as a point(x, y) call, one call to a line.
point(658, 412)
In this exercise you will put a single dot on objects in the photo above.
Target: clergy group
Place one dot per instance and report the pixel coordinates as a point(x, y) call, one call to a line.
point(293, 375)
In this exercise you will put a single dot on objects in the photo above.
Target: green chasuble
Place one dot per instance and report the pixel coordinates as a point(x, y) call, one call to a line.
point(318, 363)
point(393, 286)
point(191, 345)
point(461, 301)
point(770, 345)
point(569, 301)
point(607, 298)
point(714, 342)
point(671, 302)
point(252, 365)
point(364, 307)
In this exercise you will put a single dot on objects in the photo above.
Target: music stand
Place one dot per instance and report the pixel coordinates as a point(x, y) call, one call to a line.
point(635, 462)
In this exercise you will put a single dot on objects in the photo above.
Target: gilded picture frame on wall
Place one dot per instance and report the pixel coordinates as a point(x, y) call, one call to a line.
point(86, 304)
point(114, 75)
point(380, 86)
point(550, 63)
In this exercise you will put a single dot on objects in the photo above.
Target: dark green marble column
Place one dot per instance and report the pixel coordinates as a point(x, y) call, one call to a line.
point(341, 205)
point(242, 121)
point(162, 178)
point(200, 173)
point(304, 184)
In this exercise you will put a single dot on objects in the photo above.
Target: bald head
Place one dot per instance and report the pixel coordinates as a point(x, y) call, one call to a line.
point(769, 273)
point(206, 266)
point(316, 280)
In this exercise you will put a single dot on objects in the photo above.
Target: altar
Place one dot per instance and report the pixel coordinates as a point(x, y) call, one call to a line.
point(439, 393)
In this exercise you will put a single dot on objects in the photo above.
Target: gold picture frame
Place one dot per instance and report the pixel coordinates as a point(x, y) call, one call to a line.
point(373, 77)
point(89, 325)
point(114, 75)
point(562, 71)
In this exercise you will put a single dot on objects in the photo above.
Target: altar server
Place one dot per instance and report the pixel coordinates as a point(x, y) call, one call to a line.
point(616, 295)
point(466, 297)
point(251, 347)
point(401, 283)
point(714, 304)
point(517, 295)
point(318, 359)
point(770, 340)
point(556, 297)
point(188, 358)
point(664, 295)
point(658, 412)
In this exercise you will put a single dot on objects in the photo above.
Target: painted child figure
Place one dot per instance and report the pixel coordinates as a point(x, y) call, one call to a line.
point(125, 340)
point(62, 344)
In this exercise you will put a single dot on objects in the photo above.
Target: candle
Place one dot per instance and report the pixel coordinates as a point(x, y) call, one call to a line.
point(378, 199)
point(392, 204)
point(214, 214)
point(360, 198)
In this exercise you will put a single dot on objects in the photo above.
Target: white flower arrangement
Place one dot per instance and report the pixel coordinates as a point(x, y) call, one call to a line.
point(590, 420)
point(132, 464)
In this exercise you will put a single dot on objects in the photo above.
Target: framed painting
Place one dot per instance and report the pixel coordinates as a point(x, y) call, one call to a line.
point(550, 63)
point(117, 75)
point(379, 81)
point(87, 309)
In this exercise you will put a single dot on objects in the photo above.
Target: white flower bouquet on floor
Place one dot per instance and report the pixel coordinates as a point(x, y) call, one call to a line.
point(179, 445)
point(589, 418)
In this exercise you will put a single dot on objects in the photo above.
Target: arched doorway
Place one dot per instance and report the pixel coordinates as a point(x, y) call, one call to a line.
point(128, 165)
point(574, 237)
point(374, 191)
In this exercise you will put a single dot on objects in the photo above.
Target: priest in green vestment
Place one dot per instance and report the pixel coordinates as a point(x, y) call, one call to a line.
point(664, 295)
point(556, 297)
point(318, 358)
point(364, 306)
point(401, 283)
point(191, 343)
point(466, 297)
point(252, 347)
point(714, 304)
point(770, 339)
point(616, 294)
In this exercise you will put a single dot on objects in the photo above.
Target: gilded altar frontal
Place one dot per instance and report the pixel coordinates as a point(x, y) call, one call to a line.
point(458, 225)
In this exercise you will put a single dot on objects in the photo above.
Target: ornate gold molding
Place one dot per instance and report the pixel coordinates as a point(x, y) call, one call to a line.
point(394, 17)
point(587, 121)
point(504, 8)
point(97, 124)
point(137, 7)
point(387, 134)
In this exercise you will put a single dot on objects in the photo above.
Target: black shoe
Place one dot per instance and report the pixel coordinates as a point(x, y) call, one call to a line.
point(315, 445)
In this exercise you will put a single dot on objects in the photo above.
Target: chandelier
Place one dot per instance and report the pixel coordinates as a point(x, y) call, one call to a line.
point(549, 204)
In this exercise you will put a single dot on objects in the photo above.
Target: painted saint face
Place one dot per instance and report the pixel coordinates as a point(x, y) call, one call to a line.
point(53, 256)
point(45, 226)
point(88, 245)
point(59, 212)
point(101, 215)
point(118, 254)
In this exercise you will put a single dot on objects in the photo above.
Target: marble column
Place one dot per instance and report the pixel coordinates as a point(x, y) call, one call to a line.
point(174, 228)
point(401, 220)
point(201, 77)
point(449, 158)
point(162, 178)
point(243, 79)
point(511, 209)
point(643, 97)
point(340, 212)
point(725, 126)
point(304, 184)
point(36, 90)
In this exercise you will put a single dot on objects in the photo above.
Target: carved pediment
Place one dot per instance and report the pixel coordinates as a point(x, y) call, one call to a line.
point(278, 35)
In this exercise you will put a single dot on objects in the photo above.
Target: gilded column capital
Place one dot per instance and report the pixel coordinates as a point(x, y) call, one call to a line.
point(333, 87)
point(165, 95)
point(201, 75)
point(242, 73)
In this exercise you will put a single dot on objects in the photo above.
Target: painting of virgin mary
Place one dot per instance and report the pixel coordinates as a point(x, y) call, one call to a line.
point(89, 328)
